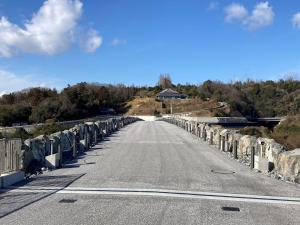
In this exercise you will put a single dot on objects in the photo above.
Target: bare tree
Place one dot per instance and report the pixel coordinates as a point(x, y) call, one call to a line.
point(165, 81)
point(291, 77)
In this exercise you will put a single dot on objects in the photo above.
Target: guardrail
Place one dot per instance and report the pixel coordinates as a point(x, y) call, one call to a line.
point(10, 155)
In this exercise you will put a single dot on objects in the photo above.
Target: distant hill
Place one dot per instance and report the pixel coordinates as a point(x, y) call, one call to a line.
point(250, 98)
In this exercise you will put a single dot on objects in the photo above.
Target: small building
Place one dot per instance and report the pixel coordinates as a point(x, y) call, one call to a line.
point(170, 94)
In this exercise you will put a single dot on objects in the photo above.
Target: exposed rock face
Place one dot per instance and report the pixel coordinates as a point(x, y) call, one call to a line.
point(288, 165)
point(246, 142)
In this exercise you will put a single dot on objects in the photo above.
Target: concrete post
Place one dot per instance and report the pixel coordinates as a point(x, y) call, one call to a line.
point(45, 147)
point(51, 147)
point(105, 129)
point(227, 142)
point(86, 137)
point(89, 137)
point(252, 157)
point(211, 138)
point(75, 145)
point(235, 147)
point(223, 143)
point(96, 136)
point(60, 150)
point(100, 132)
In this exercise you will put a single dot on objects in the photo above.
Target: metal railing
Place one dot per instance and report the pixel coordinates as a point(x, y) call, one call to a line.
point(10, 155)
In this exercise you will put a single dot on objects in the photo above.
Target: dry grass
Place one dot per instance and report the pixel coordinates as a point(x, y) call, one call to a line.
point(144, 106)
point(256, 131)
point(286, 133)
point(151, 106)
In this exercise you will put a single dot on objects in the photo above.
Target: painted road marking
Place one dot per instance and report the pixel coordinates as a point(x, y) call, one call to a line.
point(161, 193)
point(148, 142)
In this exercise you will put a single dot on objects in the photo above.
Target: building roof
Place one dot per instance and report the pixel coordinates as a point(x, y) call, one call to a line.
point(169, 93)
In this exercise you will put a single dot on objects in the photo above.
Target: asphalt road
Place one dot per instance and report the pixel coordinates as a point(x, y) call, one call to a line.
point(152, 173)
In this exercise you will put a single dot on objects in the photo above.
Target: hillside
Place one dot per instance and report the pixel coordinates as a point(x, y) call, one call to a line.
point(249, 98)
point(196, 107)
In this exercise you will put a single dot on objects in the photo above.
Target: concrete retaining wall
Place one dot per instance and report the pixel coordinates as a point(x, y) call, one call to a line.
point(262, 154)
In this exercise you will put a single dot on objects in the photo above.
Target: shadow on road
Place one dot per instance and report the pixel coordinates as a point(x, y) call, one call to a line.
point(38, 188)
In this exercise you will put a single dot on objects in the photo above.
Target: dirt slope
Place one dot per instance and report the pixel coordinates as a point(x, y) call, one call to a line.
point(197, 107)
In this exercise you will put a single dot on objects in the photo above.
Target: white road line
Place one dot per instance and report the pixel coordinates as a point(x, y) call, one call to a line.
point(148, 142)
point(164, 193)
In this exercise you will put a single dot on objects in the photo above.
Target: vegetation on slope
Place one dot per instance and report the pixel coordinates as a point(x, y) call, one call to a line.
point(82, 100)
point(286, 132)
point(45, 129)
point(250, 99)
point(256, 131)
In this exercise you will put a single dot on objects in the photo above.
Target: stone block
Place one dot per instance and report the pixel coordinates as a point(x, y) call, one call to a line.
point(288, 165)
point(52, 161)
point(9, 179)
point(262, 164)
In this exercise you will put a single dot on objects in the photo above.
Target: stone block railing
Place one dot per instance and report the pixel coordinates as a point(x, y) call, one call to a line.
point(52, 150)
point(262, 154)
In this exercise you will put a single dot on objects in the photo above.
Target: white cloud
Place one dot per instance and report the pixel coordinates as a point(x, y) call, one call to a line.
point(117, 41)
point(261, 16)
point(2, 93)
point(10, 82)
point(50, 31)
point(235, 12)
point(296, 20)
point(91, 42)
point(213, 6)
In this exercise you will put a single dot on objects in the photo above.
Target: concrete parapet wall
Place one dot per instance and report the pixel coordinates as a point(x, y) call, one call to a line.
point(262, 154)
point(212, 120)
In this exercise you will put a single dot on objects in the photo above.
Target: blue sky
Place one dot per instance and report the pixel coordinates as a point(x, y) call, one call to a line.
point(134, 41)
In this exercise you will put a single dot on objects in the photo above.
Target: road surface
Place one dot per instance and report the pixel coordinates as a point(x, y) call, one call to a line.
point(152, 173)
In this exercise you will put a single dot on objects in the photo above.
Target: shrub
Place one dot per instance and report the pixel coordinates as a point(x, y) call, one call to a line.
point(256, 131)
point(21, 133)
point(49, 129)
point(10, 114)
point(287, 132)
